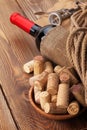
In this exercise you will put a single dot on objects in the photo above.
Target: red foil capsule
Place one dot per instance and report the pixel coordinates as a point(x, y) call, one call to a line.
point(21, 22)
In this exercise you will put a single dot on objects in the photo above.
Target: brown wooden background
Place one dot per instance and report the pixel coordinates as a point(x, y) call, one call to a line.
point(16, 48)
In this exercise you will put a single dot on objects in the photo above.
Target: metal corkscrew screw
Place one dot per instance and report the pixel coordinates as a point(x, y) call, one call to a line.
point(56, 17)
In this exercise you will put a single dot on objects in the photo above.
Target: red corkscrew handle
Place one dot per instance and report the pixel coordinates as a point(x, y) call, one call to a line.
point(21, 22)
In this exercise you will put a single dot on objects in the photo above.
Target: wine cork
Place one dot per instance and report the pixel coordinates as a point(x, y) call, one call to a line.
point(78, 92)
point(53, 98)
point(70, 71)
point(73, 108)
point(38, 64)
point(63, 95)
point(72, 74)
point(48, 67)
point(39, 85)
point(53, 109)
point(64, 77)
point(52, 83)
point(42, 80)
point(28, 67)
point(33, 79)
point(37, 95)
point(44, 98)
point(58, 69)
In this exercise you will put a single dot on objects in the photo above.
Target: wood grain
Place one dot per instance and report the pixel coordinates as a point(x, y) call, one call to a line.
point(32, 6)
point(6, 120)
point(21, 43)
point(16, 48)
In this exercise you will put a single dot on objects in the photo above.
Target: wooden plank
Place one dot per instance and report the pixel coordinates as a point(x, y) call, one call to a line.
point(15, 85)
point(13, 54)
point(32, 6)
point(6, 119)
point(21, 43)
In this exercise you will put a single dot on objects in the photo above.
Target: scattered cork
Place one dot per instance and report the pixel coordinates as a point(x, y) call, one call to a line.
point(44, 98)
point(38, 64)
point(55, 88)
point(63, 95)
point(48, 67)
point(72, 74)
point(78, 92)
point(53, 109)
point(73, 108)
point(64, 77)
point(37, 95)
point(33, 79)
point(58, 69)
point(54, 98)
point(28, 67)
point(52, 83)
point(39, 85)
point(42, 80)
point(70, 71)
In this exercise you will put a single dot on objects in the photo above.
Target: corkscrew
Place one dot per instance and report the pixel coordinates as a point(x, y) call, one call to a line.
point(56, 17)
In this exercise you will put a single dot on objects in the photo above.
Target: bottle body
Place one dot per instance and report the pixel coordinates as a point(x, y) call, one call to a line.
point(53, 46)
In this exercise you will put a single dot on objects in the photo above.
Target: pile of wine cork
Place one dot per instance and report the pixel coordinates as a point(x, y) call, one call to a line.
point(57, 89)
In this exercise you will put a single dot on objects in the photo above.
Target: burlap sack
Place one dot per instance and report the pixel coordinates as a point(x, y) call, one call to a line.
point(53, 46)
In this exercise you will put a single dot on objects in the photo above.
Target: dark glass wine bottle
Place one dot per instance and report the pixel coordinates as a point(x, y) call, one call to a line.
point(30, 27)
point(51, 46)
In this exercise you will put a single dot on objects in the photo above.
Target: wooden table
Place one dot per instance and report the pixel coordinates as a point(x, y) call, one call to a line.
point(16, 48)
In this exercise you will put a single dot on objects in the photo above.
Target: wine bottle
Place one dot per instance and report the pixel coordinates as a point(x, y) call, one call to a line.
point(52, 45)
point(30, 27)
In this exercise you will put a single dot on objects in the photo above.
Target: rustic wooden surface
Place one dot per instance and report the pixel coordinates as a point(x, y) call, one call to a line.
point(16, 48)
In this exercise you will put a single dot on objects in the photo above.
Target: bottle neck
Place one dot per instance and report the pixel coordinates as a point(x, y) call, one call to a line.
point(34, 30)
point(25, 24)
